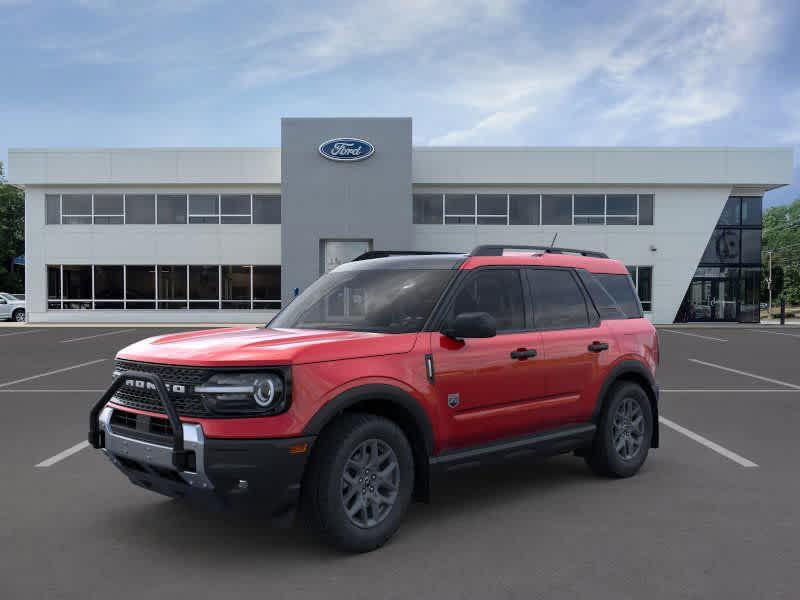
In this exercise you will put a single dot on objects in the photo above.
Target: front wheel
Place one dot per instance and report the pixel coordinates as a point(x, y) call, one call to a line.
point(19, 315)
point(359, 483)
point(624, 433)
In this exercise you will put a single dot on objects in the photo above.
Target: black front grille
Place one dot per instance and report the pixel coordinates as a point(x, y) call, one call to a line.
point(186, 404)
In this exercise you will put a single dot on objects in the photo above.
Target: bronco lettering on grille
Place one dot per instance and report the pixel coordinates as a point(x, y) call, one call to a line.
point(175, 388)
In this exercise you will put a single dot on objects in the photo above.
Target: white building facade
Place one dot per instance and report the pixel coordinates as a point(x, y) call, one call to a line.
point(228, 234)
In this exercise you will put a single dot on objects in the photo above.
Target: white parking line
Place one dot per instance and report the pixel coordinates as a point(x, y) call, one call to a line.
point(22, 332)
point(24, 379)
point(728, 391)
point(794, 335)
point(89, 337)
point(63, 454)
point(79, 391)
point(697, 335)
point(745, 373)
point(730, 455)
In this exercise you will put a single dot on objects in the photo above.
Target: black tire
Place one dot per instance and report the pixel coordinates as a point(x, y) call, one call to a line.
point(18, 315)
point(324, 487)
point(604, 457)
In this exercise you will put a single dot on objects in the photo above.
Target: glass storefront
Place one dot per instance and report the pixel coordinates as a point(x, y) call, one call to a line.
point(726, 284)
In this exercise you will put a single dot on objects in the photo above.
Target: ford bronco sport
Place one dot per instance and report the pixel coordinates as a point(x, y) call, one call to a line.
point(383, 372)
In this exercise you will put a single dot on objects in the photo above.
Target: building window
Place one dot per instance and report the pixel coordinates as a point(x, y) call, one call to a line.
point(523, 209)
point(266, 209)
point(53, 209)
point(459, 209)
point(621, 209)
point(76, 282)
point(646, 209)
point(109, 286)
point(204, 208)
point(725, 286)
point(428, 209)
point(140, 287)
point(236, 209)
point(236, 287)
point(203, 286)
point(76, 209)
point(54, 287)
point(589, 209)
point(171, 209)
point(164, 209)
point(643, 282)
point(533, 209)
point(165, 287)
point(172, 285)
point(140, 209)
point(556, 209)
point(492, 209)
point(266, 287)
point(109, 209)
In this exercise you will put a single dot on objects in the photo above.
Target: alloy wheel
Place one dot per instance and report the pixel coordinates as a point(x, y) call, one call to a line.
point(370, 482)
point(627, 429)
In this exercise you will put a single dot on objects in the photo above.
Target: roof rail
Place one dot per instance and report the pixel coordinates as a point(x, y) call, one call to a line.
point(384, 253)
point(498, 249)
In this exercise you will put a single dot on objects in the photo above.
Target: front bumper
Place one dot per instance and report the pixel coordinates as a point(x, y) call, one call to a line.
point(262, 473)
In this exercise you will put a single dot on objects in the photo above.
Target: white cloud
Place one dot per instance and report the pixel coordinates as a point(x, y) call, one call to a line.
point(682, 64)
point(322, 40)
point(501, 121)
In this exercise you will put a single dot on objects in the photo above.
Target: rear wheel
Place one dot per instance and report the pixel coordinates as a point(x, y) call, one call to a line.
point(19, 315)
point(624, 433)
point(359, 483)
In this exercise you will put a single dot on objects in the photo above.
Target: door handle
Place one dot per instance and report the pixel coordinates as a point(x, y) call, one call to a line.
point(523, 353)
point(597, 347)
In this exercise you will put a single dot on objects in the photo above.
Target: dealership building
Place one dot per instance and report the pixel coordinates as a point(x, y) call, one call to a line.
point(229, 234)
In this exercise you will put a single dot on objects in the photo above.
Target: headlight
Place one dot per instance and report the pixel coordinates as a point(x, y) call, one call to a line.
point(244, 393)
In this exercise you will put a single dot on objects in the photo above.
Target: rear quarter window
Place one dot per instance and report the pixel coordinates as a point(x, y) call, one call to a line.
point(606, 305)
point(620, 288)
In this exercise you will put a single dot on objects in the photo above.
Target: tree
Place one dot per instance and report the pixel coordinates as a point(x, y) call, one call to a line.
point(781, 235)
point(12, 235)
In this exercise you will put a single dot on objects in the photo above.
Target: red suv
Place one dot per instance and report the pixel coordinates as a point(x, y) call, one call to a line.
point(389, 368)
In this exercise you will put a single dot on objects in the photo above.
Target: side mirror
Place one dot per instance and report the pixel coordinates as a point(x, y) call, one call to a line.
point(471, 325)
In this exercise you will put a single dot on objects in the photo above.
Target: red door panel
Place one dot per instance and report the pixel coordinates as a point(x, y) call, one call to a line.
point(483, 392)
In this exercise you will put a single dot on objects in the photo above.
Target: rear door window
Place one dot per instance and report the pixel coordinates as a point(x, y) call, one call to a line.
point(621, 289)
point(558, 302)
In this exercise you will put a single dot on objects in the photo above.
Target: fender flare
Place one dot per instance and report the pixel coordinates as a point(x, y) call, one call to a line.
point(373, 391)
point(640, 370)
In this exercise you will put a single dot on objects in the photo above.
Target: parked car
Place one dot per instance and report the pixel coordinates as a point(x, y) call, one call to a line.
point(763, 306)
point(12, 308)
point(384, 372)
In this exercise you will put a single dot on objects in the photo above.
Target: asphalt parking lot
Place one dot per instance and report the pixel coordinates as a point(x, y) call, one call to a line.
point(713, 514)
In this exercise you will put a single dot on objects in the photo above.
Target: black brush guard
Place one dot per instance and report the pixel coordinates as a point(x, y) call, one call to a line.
point(180, 457)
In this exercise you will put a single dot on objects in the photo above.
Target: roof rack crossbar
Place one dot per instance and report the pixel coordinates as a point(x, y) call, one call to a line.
point(498, 249)
point(385, 253)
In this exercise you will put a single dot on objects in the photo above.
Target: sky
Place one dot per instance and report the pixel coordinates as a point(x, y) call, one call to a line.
point(107, 73)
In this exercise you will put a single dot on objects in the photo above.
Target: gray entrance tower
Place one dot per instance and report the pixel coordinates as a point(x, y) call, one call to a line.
point(325, 200)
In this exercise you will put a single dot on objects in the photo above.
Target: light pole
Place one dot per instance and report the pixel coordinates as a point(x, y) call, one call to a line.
point(769, 285)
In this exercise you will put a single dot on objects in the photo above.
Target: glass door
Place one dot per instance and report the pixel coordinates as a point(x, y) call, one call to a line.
point(711, 300)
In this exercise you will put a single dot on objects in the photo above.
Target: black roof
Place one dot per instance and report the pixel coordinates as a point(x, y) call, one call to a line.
point(404, 260)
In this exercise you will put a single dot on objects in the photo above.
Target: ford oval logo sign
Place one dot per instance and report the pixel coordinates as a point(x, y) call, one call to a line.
point(344, 149)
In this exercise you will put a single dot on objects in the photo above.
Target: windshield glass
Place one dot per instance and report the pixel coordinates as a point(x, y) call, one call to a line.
point(377, 300)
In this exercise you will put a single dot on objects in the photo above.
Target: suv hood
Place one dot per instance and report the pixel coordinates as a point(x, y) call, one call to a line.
point(242, 347)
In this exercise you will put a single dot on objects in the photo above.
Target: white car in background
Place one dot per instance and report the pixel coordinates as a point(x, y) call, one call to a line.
point(12, 308)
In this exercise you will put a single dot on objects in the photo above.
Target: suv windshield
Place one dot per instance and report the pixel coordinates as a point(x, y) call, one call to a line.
point(377, 300)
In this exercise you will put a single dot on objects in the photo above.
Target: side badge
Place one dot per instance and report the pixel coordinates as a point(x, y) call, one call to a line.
point(452, 400)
